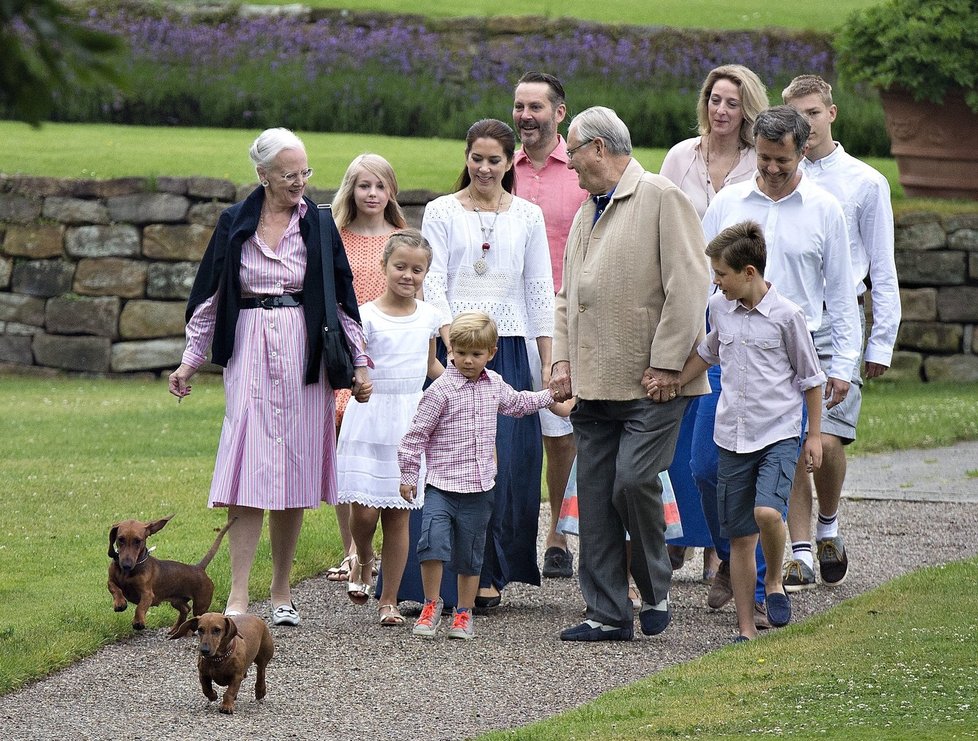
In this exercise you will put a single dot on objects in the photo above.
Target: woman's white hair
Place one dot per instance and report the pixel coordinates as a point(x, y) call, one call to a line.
point(270, 142)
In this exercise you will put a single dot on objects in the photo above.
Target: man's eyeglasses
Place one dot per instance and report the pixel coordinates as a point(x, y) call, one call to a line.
point(570, 152)
point(292, 177)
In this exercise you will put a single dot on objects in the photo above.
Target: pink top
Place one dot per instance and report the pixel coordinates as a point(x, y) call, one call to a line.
point(267, 272)
point(369, 283)
point(455, 427)
point(685, 165)
point(554, 188)
point(364, 253)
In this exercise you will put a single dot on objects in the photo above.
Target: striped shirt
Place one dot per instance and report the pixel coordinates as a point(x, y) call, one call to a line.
point(277, 446)
point(455, 428)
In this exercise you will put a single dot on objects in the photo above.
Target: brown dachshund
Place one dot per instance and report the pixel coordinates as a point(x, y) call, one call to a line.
point(228, 646)
point(136, 576)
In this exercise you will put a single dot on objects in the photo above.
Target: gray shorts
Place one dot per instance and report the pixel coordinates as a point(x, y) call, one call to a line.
point(748, 480)
point(841, 419)
point(453, 528)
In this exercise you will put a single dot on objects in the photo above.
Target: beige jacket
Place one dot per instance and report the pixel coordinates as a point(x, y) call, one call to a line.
point(635, 289)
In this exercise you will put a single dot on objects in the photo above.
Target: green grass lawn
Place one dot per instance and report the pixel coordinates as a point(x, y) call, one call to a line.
point(895, 663)
point(731, 14)
point(81, 454)
point(104, 151)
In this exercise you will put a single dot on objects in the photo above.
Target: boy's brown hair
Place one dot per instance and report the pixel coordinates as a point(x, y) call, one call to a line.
point(740, 245)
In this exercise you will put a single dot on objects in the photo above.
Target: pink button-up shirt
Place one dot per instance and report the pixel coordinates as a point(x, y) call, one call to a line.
point(455, 427)
point(555, 189)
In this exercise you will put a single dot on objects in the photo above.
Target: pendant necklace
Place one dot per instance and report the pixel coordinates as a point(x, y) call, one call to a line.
point(481, 266)
point(709, 181)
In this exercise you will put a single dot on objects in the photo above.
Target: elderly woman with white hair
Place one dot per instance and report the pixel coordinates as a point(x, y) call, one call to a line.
point(258, 304)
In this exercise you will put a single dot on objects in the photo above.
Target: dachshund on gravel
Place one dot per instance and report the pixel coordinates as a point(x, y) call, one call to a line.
point(227, 646)
point(135, 576)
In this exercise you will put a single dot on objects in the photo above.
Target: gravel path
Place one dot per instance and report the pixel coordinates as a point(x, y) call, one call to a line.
point(340, 675)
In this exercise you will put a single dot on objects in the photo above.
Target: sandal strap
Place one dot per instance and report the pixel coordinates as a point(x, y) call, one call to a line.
point(342, 568)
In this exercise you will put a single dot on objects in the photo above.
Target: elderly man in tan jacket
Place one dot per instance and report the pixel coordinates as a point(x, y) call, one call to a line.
point(636, 281)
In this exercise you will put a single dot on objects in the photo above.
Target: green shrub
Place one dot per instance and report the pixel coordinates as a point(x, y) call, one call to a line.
point(394, 75)
point(926, 47)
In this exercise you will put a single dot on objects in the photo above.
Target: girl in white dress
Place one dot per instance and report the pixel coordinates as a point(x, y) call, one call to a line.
point(400, 332)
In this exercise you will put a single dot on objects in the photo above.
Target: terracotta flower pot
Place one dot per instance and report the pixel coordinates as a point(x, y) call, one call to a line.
point(934, 145)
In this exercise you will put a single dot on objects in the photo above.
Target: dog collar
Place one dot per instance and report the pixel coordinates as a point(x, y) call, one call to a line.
point(145, 556)
point(146, 552)
point(223, 656)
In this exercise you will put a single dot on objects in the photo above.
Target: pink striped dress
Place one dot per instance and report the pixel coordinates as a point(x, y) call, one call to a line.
point(278, 446)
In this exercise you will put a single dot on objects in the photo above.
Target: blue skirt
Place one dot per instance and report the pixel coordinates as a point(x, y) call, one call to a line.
point(511, 540)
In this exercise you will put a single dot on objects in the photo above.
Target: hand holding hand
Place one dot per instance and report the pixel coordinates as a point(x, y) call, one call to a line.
point(408, 492)
point(362, 385)
point(661, 385)
point(560, 381)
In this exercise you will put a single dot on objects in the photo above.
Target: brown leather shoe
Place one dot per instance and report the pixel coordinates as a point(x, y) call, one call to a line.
point(760, 617)
point(720, 591)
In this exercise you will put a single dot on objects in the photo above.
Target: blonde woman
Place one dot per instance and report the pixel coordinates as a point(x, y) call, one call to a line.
point(730, 100)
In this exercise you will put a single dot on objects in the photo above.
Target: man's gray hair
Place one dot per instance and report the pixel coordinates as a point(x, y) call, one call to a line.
point(270, 142)
point(774, 124)
point(599, 121)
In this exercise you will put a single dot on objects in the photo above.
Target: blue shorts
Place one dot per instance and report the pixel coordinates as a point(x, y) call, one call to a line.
point(453, 528)
point(748, 480)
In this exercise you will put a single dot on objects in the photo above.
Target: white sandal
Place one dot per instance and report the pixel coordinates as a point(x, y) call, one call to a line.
point(390, 615)
point(341, 572)
point(358, 591)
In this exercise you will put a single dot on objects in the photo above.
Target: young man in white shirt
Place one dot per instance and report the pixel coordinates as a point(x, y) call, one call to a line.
point(865, 198)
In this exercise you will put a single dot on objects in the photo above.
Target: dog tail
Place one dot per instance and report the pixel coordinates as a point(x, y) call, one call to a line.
point(217, 544)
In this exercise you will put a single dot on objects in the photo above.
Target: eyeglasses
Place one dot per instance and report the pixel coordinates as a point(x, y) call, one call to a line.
point(292, 177)
point(570, 152)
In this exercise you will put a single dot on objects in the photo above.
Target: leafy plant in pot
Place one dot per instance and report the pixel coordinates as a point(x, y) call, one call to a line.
point(922, 55)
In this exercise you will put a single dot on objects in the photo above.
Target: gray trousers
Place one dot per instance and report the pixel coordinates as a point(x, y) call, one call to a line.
point(622, 446)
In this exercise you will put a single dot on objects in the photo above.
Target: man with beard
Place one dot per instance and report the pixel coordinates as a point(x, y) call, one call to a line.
point(542, 177)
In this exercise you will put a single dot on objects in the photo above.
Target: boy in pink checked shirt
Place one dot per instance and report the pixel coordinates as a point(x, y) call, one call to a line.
point(768, 360)
point(455, 427)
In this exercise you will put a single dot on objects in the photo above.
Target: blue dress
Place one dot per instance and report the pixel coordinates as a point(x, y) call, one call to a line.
point(695, 529)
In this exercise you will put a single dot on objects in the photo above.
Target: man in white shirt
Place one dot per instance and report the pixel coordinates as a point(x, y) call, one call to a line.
point(808, 246)
point(865, 198)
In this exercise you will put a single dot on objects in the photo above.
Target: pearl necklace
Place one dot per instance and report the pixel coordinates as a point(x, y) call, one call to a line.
point(481, 266)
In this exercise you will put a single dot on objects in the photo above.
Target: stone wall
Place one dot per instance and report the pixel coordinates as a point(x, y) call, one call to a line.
point(937, 264)
point(94, 275)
